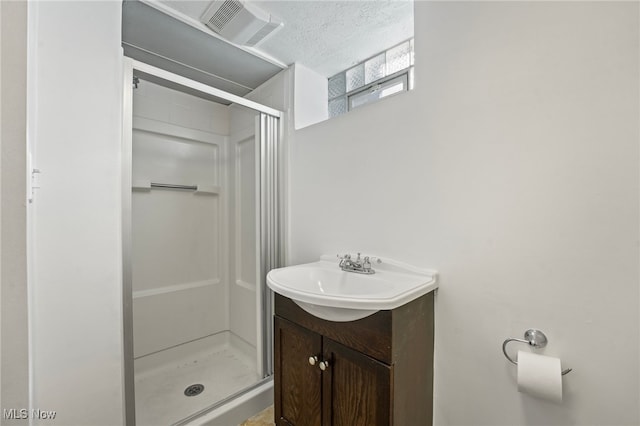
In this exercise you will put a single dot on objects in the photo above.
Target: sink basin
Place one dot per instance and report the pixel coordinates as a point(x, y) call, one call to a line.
point(325, 291)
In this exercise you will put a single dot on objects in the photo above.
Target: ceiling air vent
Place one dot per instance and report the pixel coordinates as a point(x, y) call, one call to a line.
point(240, 22)
point(224, 13)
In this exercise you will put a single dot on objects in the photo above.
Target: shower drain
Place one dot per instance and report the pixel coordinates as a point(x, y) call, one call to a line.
point(194, 390)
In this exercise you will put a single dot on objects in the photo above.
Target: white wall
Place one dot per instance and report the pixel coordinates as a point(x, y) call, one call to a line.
point(276, 91)
point(13, 290)
point(512, 169)
point(310, 94)
point(76, 302)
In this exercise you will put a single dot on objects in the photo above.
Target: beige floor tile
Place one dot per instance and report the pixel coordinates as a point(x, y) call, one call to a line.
point(264, 418)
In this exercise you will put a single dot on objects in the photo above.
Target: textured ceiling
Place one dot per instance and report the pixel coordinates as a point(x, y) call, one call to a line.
point(326, 36)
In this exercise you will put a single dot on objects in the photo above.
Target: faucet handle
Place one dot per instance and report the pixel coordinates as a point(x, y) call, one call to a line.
point(344, 257)
point(366, 264)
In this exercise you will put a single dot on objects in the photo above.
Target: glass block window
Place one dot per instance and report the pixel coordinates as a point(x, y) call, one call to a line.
point(355, 77)
point(337, 86)
point(337, 106)
point(382, 75)
point(374, 69)
point(398, 58)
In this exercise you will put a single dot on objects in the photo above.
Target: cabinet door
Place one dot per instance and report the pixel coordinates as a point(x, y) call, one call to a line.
point(356, 388)
point(298, 384)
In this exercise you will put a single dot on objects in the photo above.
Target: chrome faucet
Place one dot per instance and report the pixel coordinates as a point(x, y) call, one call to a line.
point(359, 265)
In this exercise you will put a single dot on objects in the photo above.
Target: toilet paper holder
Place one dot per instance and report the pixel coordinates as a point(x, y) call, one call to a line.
point(532, 337)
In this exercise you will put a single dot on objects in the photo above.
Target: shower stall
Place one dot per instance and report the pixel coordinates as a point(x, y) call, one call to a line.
point(201, 215)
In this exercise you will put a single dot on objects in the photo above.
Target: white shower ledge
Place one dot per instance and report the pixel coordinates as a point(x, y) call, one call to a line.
point(325, 291)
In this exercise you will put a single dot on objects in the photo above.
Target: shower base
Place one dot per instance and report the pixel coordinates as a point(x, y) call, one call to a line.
point(222, 363)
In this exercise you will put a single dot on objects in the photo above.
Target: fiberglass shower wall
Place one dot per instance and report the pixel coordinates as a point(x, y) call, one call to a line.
point(194, 258)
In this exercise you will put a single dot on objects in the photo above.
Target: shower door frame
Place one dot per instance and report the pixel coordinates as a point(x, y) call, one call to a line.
point(270, 220)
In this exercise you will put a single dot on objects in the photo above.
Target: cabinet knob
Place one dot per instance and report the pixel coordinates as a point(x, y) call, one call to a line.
point(323, 365)
point(313, 360)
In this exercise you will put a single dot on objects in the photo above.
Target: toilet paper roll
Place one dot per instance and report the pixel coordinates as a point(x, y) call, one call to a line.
point(540, 376)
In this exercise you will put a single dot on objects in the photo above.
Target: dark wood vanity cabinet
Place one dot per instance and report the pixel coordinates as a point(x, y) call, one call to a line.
point(380, 368)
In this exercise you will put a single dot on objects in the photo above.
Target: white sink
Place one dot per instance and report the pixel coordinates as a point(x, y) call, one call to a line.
point(325, 291)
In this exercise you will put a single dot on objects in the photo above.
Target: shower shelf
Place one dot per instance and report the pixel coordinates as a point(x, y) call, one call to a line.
point(199, 189)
